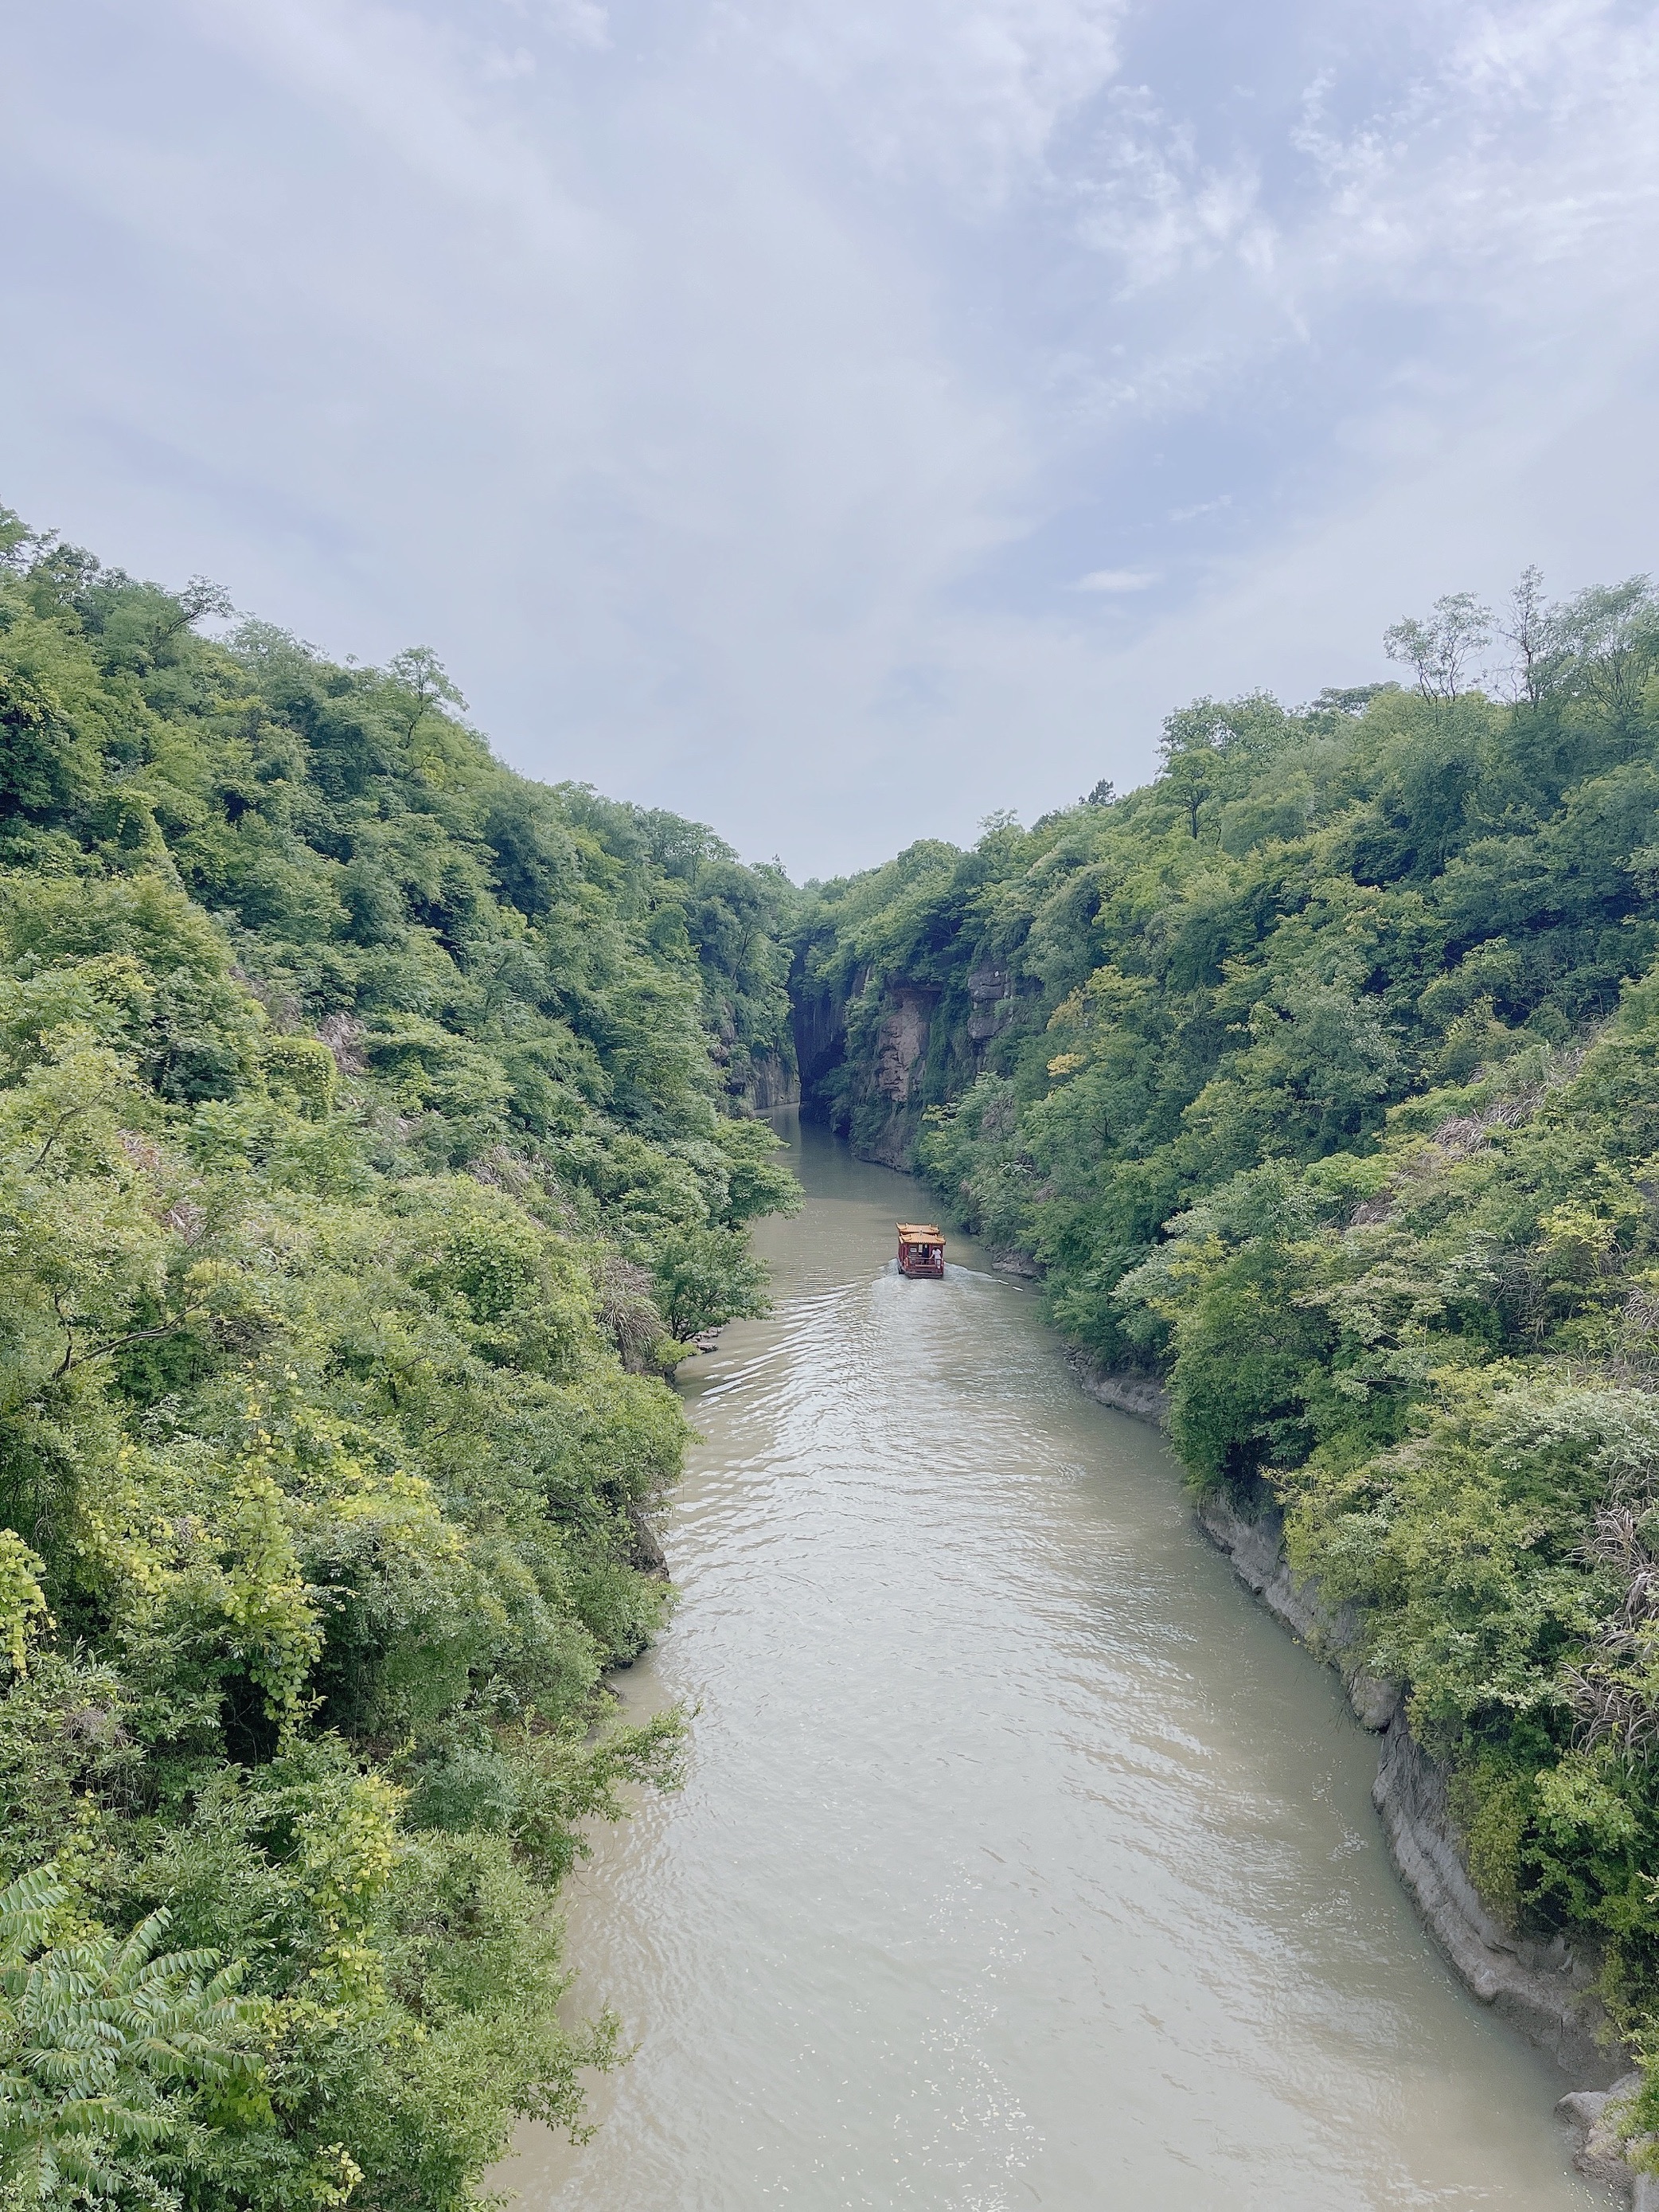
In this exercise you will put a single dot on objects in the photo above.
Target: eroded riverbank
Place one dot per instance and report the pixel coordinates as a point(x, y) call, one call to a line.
point(1023, 1859)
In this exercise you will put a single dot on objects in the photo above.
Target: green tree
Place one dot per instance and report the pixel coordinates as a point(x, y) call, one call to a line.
point(106, 2045)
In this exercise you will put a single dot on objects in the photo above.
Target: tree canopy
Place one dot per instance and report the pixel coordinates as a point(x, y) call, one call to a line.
point(370, 1138)
point(1319, 1079)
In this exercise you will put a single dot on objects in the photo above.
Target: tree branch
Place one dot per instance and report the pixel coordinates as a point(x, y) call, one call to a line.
point(57, 1129)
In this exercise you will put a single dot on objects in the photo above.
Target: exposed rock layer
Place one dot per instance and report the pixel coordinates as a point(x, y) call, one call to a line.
point(1543, 1989)
point(766, 1083)
point(920, 1043)
point(1598, 2117)
point(1143, 1395)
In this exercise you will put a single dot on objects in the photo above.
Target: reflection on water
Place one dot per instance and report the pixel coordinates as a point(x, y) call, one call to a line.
point(1023, 1860)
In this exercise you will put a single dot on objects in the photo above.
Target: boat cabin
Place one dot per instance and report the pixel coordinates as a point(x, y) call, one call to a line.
point(921, 1248)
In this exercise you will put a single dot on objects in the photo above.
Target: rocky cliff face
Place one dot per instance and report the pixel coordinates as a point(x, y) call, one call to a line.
point(891, 1094)
point(1545, 1989)
point(820, 1025)
point(990, 994)
point(874, 1069)
point(767, 1083)
point(1143, 1395)
point(902, 1041)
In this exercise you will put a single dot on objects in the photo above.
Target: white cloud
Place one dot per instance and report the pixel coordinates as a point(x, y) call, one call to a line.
point(1116, 579)
point(1149, 202)
point(580, 23)
point(969, 91)
point(496, 66)
point(730, 390)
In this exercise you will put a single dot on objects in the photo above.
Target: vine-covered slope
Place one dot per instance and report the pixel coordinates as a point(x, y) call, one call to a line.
point(368, 1152)
point(1320, 1077)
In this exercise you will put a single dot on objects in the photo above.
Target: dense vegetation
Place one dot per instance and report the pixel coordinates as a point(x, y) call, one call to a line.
point(1322, 1077)
point(366, 1155)
point(372, 1140)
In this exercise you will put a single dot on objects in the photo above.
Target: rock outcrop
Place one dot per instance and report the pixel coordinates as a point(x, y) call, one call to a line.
point(873, 1068)
point(1546, 1989)
point(991, 994)
point(820, 1026)
point(649, 1554)
point(1599, 2119)
point(901, 1041)
point(1143, 1395)
point(767, 1083)
point(886, 1130)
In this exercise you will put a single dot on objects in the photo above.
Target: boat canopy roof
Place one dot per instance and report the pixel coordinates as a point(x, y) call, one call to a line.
point(918, 1232)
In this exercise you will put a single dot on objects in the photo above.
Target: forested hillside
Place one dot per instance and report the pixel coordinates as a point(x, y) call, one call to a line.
point(1320, 1077)
point(371, 1142)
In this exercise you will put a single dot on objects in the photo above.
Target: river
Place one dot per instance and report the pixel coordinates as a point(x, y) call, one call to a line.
point(1023, 1859)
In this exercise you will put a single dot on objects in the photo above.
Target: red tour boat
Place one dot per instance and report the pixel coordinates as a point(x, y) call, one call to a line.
point(921, 1248)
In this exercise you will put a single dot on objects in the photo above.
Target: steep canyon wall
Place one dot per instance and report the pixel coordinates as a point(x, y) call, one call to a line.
point(873, 1058)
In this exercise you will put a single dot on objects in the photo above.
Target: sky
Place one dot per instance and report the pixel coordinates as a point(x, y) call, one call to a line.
point(837, 420)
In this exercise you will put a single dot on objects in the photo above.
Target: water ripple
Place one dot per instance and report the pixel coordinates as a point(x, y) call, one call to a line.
point(1021, 1861)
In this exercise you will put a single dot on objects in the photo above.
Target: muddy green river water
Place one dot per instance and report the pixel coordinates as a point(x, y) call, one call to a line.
point(1023, 1860)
